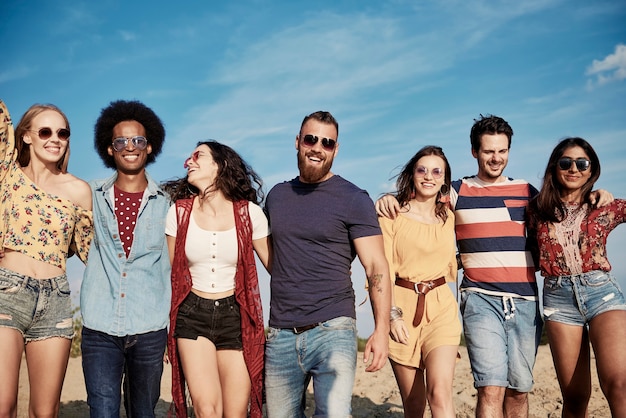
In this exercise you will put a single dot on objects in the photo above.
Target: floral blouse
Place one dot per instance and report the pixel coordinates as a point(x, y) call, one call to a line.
point(43, 226)
point(577, 244)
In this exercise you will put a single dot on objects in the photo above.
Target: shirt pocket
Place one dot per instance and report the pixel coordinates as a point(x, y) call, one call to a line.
point(154, 230)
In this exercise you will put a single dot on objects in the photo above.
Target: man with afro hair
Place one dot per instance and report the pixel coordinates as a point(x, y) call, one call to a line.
point(125, 293)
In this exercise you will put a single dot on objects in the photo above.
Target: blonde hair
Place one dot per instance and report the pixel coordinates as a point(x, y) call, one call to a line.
point(26, 123)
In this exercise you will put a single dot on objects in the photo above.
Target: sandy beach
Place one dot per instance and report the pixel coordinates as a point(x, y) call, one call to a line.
point(375, 394)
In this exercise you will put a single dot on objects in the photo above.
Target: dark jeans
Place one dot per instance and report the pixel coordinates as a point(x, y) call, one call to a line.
point(136, 358)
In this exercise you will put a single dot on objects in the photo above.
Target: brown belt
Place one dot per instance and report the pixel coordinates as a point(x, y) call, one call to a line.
point(421, 288)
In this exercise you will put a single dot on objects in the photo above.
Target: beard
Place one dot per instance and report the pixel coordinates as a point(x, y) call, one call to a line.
point(310, 174)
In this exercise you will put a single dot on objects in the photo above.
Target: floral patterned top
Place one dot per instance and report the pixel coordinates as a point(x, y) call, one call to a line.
point(577, 244)
point(43, 226)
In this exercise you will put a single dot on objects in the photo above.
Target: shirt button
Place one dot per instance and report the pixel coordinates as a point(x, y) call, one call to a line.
point(213, 256)
point(124, 274)
point(114, 236)
point(123, 295)
point(120, 255)
point(213, 270)
point(212, 284)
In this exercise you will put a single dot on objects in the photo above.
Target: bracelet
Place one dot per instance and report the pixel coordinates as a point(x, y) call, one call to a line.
point(395, 313)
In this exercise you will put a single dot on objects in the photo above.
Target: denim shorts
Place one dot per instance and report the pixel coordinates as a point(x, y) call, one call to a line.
point(218, 320)
point(577, 299)
point(502, 336)
point(37, 308)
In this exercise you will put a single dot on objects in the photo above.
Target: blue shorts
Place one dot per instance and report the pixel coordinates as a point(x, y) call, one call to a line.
point(37, 308)
point(502, 336)
point(577, 299)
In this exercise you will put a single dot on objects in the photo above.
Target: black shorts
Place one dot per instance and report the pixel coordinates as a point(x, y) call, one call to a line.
point(218, 320)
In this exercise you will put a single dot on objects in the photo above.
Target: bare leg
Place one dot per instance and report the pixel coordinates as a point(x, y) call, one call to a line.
point(440, 365)
point(515, 404)
point(235, 382)
point(490, 402)
point(199, 361)
point(11, 347)
point(570, 352)
point(412, 389)
point(607, 333)
point(47, 363)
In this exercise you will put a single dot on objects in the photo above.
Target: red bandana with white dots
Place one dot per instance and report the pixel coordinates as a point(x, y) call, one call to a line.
point(126, 210)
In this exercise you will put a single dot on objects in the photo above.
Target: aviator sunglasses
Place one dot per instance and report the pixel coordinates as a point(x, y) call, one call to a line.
point(46, 133)
point(582, 164)
point(327, 143)
point(139, 142)
point(421, 171)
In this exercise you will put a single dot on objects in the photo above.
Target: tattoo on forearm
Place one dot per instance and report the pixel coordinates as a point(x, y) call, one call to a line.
point(374, 282)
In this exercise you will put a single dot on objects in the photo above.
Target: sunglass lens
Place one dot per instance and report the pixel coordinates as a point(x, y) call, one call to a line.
point(140, 142)
point(119, 144)
point(565, 163)
point(63, 134)
point(45, 133)
point(309, 140)
point(328, 144)
point(582, 165)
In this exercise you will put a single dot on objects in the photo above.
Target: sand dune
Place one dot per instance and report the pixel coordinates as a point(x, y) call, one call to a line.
point(375, 394)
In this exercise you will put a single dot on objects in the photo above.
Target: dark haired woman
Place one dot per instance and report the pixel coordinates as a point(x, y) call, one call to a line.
point(582, 301)
point(420, 249)
point(45, 217)
point(216, 337)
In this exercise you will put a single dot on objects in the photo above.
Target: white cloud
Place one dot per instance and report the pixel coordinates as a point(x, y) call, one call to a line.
point(610, 69)
point(16, 73)
point(126, 35)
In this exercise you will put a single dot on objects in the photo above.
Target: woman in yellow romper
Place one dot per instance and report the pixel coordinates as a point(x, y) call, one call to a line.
point(420, 249)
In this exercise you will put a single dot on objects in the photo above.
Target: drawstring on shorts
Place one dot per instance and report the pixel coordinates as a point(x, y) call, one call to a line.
point(506, 311)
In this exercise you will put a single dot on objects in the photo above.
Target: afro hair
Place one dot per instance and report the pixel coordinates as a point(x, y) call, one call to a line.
point(120, 111)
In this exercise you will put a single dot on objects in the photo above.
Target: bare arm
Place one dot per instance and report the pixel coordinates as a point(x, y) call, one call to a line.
point(388, 206)
point(263, 249)
point(171, 241)
point(372, 256)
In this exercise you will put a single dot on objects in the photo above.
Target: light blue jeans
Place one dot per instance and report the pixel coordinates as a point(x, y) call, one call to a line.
point(502, 335)
point(326, 353)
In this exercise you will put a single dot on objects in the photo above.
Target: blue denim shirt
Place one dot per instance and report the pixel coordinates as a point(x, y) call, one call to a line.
point(125, 296)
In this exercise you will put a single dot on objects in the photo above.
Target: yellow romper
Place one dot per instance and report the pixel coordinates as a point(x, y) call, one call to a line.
point(421, 252)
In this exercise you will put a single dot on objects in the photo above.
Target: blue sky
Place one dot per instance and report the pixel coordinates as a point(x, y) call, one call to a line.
point(397, 75)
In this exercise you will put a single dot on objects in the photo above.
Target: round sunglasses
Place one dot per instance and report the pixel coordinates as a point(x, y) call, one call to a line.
point(421, 171)
point(45, 133)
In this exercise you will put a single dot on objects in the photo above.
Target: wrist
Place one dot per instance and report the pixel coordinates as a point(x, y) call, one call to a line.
point(395, 313)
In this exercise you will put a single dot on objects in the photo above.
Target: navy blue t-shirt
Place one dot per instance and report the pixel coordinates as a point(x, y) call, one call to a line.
point(313, 226)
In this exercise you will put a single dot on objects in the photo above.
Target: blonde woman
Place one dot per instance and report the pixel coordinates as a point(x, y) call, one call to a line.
point(45, 217)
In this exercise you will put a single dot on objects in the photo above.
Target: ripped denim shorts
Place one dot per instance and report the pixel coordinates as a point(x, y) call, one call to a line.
point(37, 308)
point(577, 299)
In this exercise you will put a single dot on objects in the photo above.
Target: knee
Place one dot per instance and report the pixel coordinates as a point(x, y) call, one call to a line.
point(614, 389)
point(491, 395)
point(8, 409)
point(207, 410)
point(440, 398)
point(44, 412)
